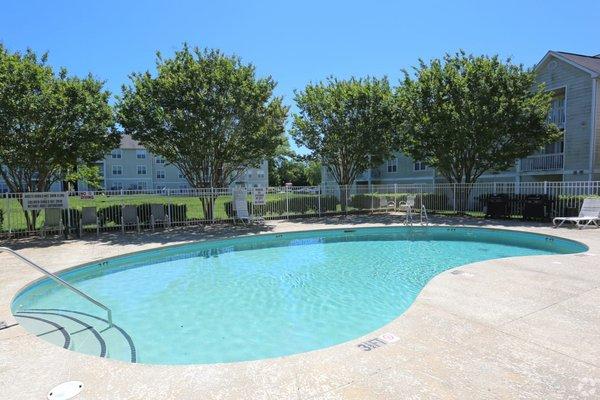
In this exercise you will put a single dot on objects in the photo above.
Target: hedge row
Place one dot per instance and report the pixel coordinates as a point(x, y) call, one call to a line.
point(177, 213)
point(366, 201)
point(294, 204)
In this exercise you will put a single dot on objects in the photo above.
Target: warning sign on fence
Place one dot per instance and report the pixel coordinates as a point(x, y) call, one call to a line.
point(41, 200)
point(259, 196)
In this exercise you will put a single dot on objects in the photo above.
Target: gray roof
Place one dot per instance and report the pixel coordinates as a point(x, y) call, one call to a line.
point(592, 63)
point(127, 142)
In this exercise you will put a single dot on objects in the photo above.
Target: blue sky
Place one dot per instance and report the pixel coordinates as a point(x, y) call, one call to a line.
point(295, 41)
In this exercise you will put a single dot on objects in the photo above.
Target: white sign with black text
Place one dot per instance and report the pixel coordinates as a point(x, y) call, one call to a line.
point(259, 196)
point(41, 200)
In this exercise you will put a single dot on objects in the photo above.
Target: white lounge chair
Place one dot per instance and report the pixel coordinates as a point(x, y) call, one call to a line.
point(89, 216)
point(588, 215)
point(386, 204)
point(129, 217)
point(241, 212)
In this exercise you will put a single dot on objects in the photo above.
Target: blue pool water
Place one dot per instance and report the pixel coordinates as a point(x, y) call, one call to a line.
point(258, 297)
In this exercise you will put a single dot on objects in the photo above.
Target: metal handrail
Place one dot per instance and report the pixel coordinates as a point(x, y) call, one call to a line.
point(60, 281)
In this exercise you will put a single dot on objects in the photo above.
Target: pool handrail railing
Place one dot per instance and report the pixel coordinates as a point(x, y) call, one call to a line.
point(60, 281)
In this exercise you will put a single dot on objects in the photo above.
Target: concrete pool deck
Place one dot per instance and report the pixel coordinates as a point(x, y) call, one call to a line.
point(523, 327)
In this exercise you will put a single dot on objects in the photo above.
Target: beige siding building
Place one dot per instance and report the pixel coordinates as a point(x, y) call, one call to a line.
point(132, 167)
point(574, 80)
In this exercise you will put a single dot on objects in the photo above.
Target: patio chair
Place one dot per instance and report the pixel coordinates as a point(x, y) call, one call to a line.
point(408, 205)
point(158, 214)
point(129, 217)
point(241, 211)
point(588, 215)
point(52, 221)
point(89, 216)
point(386, 204)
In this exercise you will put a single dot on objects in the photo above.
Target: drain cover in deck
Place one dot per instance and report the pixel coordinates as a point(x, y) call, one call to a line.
point(65, 391)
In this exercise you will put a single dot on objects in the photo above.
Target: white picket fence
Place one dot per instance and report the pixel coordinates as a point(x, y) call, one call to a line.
point(188, 206)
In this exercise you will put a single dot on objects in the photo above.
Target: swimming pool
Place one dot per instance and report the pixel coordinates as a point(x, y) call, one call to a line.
point(260, 296)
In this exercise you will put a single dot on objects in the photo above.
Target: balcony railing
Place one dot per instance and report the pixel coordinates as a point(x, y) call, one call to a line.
point(542, 162)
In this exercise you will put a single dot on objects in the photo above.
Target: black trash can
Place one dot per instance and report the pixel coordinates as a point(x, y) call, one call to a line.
point(536, 207)
point(498, 206)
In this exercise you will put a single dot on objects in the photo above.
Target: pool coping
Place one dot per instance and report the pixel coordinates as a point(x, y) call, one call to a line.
point(302, 382)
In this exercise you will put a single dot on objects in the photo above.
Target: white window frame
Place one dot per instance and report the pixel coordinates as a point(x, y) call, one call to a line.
point(118, 168)
point(159, 160)
point(142, 167)
point(140, 154)
point(392, 165)
point(419, 166)
point(160, 174)
point(116, 154)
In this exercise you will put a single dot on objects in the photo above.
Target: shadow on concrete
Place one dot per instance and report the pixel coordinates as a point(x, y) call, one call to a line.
point(225, 230)
point(131, 237)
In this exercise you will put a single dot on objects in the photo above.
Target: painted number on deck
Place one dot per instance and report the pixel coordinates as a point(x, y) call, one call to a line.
point(378, 342)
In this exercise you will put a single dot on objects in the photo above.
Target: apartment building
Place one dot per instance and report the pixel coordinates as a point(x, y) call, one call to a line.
point(132, 167)
point(574, 81)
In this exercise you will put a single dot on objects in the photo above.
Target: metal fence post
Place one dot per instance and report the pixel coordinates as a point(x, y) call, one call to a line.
point(545, 187)
point(287, 202)
point(454, 197)
point(212, 204)
point(8, 215)
point(319, 200)
point(68, 230)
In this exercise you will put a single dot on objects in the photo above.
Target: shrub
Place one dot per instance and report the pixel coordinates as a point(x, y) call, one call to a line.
point(71, 217)
point(295, 204)
point(432, 201)
point(110, 214)
point(177, 212)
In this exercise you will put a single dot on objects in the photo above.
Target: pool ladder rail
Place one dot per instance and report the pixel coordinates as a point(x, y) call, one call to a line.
point(60, 281)
point(424, 219)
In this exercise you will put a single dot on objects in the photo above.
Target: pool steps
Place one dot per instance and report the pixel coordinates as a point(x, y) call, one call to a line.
point(79, 331)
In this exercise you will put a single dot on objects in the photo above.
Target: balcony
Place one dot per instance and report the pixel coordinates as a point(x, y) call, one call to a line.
point(542, 162)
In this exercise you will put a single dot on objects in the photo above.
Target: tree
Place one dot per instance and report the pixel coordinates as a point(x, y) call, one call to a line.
point(89, 174)
point(313, 173)
point(205, 113)
point(465, 115)
point(49, 123)
point(347, 124)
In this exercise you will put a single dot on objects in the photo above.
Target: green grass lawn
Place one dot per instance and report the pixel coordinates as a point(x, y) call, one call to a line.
point(13, 214)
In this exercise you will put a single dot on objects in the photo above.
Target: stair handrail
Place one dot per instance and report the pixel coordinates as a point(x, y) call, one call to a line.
point(59, 281)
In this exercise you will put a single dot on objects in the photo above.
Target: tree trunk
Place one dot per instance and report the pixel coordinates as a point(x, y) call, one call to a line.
point(208, 206)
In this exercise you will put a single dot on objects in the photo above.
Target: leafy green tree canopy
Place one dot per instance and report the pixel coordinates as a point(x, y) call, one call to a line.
point(49, 123)
point(465, 115)
point(206, 113)
point(347, 124)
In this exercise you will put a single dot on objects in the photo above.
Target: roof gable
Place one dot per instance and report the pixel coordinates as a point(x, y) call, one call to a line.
point(589, 64)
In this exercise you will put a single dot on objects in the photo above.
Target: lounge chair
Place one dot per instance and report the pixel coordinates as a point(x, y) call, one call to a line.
point(241, 211)
point(129, 217)
point(89, 216)
point(52, 221)
point(386, 204)
point(157, 214)
point(588, 215)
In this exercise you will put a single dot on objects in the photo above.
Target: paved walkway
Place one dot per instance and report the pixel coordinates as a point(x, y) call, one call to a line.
point(525, 327)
